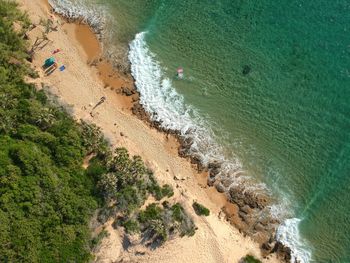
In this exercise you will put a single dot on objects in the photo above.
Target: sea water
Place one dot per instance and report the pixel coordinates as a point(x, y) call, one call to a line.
point(266, 89)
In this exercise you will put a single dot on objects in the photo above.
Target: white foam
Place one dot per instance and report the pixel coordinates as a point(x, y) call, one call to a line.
point(288, 234)
point(165, 105)
point(160, 99)
point(79, 9)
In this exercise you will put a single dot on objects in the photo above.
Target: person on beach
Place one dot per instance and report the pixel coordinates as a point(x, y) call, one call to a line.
point(56, 51)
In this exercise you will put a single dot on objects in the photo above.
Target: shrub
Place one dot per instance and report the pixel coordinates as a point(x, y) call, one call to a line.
point(96, 168)
point(96, 241)
point(177, 210)
point(131, 226)
point(161, 192)
point(186, 226)
point(200, 209)
point(152, 212)
point(250, 259)
point(167, 191)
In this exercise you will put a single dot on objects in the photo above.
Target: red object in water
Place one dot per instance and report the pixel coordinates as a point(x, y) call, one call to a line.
point(180, 73)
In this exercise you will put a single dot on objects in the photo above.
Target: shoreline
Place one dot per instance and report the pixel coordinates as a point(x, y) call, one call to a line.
point(111, 83)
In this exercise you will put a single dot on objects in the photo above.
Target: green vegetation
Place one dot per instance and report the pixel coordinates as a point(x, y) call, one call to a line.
point(200, 209)
point(96, 241)
point(250, 259)
point(131, 226)
point(46, 197)
point(126, 183)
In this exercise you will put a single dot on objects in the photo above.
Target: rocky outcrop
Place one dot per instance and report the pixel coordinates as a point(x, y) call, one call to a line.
point(140, 112)
point(127, 91)
point(242, 197)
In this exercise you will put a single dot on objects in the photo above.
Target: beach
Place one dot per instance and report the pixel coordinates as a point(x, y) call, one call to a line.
point(86, 79)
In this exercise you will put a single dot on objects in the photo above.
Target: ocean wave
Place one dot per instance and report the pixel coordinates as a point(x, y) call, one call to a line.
point(78, 9)
point(288, 234)
point(160, 99)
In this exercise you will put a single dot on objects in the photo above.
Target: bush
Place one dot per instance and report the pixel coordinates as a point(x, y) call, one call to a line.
point(161, 192)
point(152, 212)
point(250, 259)
point(96, 168)
point(131, 226)
point(200, 209)
point(167, 191)
point(96, 241)
point(186, 226)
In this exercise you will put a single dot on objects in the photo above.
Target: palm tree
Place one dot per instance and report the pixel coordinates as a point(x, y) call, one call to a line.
point(46, 118)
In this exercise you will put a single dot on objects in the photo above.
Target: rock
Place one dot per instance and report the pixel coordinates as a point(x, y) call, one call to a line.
point(242, 197)
point(214, 168)
point(245, 218)
point(122, 134)
point(226, 182)
point(214, 165)
point(264, 221)
point(246, 209)
point(282, 251)
point(135, 98)
point(139, 111)
point(246, 70)
point(196, 160)
point(266, 246)
point(210, 181)
point(127, 92)
point(140, 253)
point(259, 227)
point(182, 152)
point(176, 178)
point(220, 188)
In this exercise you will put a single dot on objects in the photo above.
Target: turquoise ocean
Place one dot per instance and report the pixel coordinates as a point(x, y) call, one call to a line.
point(266, 88)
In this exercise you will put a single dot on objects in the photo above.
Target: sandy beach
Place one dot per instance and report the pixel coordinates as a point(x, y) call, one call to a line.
point(87, 78)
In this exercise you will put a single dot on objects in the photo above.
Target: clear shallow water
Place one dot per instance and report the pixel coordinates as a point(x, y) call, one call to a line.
point(287, 122)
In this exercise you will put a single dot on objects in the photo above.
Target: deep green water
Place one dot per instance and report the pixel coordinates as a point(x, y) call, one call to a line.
point(288, 120)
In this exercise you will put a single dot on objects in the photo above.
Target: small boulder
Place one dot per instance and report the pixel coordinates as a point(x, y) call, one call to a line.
point(220, 188)
point(127, 91)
